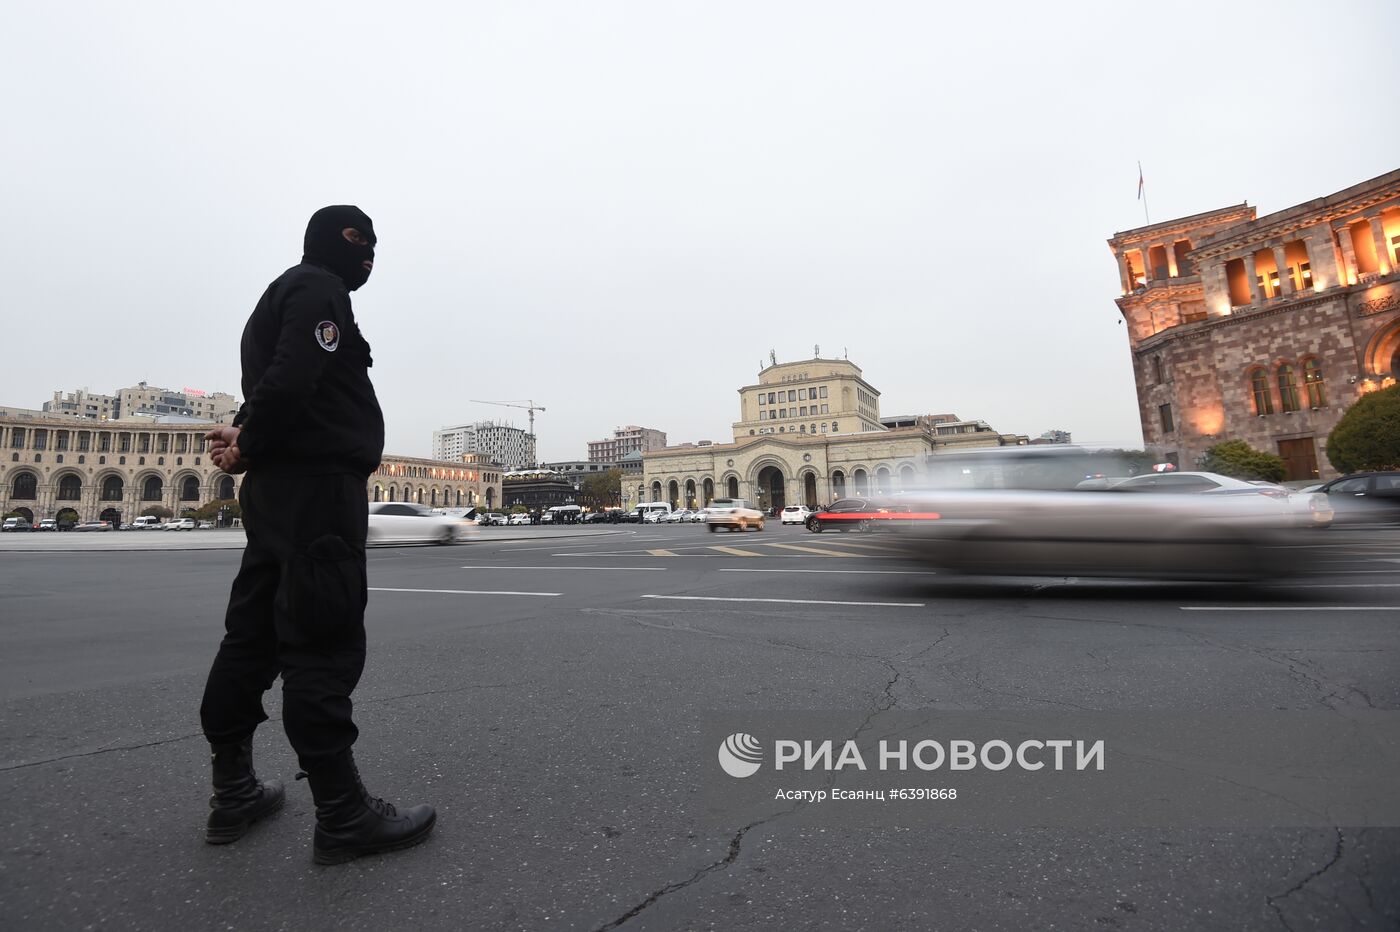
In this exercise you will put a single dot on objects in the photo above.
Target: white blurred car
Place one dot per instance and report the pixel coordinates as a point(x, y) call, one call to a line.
point(676, 517)
point(521, 518)
point(699, 517)
point(795, 514)
point(178, 524)
point(406, 522)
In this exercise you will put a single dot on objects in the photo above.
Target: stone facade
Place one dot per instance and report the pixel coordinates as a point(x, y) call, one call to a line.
point(1263, 329)
point(113, 470)
point(104, 471)
point(790, 459)
point(629, 439)
point(471, 481)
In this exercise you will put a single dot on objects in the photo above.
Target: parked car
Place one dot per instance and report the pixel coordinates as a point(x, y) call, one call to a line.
point(47, 524)
point(676, 517)
point(497, 519)
point(16, 524)
point(143, 523)
point(94, 526)
point(796, 514)
point(205, 526)
point(736, 514)
point(1365, 496)
point(699, 516)
point(519, 518)
point(406, 522)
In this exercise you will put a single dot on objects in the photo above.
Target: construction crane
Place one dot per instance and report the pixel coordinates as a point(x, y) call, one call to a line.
point(529, 405)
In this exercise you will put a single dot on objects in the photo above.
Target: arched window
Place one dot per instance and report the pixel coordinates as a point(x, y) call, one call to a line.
point(709, 489)
point(26, 487)
point(1312, 382)
point(393, 494)
point(1259, 387)
point(861, 482)
point(674, 488)
point(378, 493)
point(838, 484)
point(835, 428)
point(189, 489)
point(434, 498)
point(70, 488)
point(882, 479)
point(1287, 388)
point(690, 493)
point(733, 487)
point(112, 489)
point(656, 491)
point(906, 477)
point(151, 489)
point(226, 491)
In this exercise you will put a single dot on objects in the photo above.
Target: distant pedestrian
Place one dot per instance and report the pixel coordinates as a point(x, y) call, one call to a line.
point(309, 434)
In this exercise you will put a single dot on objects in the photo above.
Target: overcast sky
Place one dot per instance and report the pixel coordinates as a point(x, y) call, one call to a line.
point(618, 209)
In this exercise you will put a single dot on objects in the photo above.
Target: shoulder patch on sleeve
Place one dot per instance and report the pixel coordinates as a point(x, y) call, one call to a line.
point(328, 335)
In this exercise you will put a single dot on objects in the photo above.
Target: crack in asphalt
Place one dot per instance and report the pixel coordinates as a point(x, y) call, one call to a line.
point(94, 753)
point(1273, 901)
point(736, 843)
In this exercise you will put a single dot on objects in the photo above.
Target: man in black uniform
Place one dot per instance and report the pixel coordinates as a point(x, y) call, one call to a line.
point(309, 434)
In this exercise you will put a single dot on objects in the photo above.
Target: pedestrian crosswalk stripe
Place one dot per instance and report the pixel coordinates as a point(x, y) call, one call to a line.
point(735, 551)
point(661, 553)
point(825, 553)
point(864, 546)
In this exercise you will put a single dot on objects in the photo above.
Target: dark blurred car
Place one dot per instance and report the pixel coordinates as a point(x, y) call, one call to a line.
point(94, 526)
point(1365, 496)
point(866, 514)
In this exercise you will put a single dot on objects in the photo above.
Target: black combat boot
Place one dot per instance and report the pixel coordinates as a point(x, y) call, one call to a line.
point(239, 799)
point(351, 823)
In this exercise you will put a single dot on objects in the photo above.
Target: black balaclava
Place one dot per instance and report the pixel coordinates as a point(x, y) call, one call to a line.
point(327, 247)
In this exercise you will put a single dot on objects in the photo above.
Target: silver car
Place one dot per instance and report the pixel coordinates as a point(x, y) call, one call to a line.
point(406, 522)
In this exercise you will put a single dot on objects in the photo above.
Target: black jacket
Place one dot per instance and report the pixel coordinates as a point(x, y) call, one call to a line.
point(310, 406)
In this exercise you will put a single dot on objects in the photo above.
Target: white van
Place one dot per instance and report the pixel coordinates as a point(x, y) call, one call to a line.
point(144, 522)
point(651, 512)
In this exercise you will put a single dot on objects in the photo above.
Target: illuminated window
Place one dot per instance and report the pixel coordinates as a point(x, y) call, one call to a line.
point(1287, 389)
point(1314, 385)
point(1259, 387)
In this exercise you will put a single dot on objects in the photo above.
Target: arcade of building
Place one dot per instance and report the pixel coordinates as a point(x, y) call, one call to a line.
point(73, 469)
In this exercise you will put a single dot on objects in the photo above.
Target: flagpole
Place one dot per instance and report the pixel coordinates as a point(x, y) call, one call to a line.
point(1142, 186)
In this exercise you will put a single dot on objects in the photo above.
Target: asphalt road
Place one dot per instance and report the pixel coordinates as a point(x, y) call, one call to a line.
point(546, 694)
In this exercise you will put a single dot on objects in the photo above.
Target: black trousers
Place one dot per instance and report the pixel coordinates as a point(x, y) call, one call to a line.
point(297, 608)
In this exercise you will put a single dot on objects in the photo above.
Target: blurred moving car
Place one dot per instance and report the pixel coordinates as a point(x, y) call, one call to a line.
point(736, 514)
point(144, 523)
point(406, 522)
point(178, 524)
point(94, 526)
point(1307, 509)
point(866, 514)
point(796, 514)
point(1152, 534)
point(1364, 496)
point(699, 516)
point(519, 518)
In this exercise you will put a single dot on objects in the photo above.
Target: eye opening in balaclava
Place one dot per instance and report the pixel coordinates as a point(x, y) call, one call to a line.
point(327, 247)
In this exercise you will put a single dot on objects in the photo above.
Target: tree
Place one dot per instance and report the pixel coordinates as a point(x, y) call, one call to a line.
point(1368, 435)
point(1238, 459)
point(602, 489)
point(210, 510)
point(157, 511)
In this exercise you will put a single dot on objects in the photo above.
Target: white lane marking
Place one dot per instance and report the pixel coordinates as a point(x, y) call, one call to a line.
point(711, 598)
point(591, 569)
point(827, 572)
point(466, 591)
point(1289, 608)
point(1356, 585)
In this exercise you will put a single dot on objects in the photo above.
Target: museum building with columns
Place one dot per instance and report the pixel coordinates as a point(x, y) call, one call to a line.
point(809, 432)
point(72, 468)
point(1263, 329)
